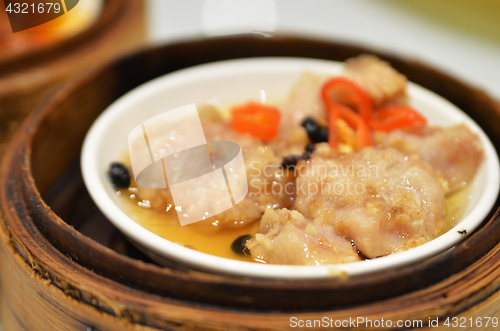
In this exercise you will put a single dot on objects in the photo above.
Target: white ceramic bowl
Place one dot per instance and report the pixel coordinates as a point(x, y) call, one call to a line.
point(236, 81)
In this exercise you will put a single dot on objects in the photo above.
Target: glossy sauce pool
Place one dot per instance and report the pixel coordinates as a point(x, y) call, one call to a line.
point(208, 239)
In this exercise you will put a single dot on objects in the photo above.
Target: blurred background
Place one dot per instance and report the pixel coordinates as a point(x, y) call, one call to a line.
point(460, 37)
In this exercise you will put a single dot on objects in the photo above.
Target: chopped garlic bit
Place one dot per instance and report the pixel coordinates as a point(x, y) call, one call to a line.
point(144, 204)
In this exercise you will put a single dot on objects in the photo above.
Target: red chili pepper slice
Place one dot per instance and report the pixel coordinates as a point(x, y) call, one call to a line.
point(396, 117)
point(354, 120)
point(261, 121)
point(343, 91)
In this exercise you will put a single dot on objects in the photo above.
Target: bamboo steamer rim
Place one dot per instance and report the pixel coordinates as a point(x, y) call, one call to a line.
point(55, 250)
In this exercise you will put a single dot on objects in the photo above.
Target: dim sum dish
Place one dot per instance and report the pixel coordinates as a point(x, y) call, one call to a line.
point(290, 168)
point(60, 253)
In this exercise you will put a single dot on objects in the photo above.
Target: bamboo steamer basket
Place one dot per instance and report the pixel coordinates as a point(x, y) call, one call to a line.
point(29, 77)
point(64, 267)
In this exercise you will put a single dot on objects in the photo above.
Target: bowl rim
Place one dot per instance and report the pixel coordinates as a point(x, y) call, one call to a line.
point(205, 261)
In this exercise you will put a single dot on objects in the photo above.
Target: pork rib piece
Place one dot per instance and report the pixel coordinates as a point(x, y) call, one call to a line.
point(382, 200)
point(287, 237)
point(382, 82)
point(455, 152)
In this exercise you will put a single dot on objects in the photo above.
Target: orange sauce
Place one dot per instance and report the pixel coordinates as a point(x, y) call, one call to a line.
point(201, 237)
point(207, 239)
point(455, 204)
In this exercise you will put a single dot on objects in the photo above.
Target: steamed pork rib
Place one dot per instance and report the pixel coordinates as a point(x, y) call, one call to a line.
point(378, 78)
point(268, 184)
point(287, 237)
point(382, 200)
point(342, 168)
point(455, 152)
point(303, 101)
point(266, 179)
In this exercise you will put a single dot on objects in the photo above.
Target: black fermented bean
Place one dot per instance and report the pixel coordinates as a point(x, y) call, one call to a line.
point(316, 133)
point(119, 175)
point(310, 148)
point(238, 245)
point(290, 161)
